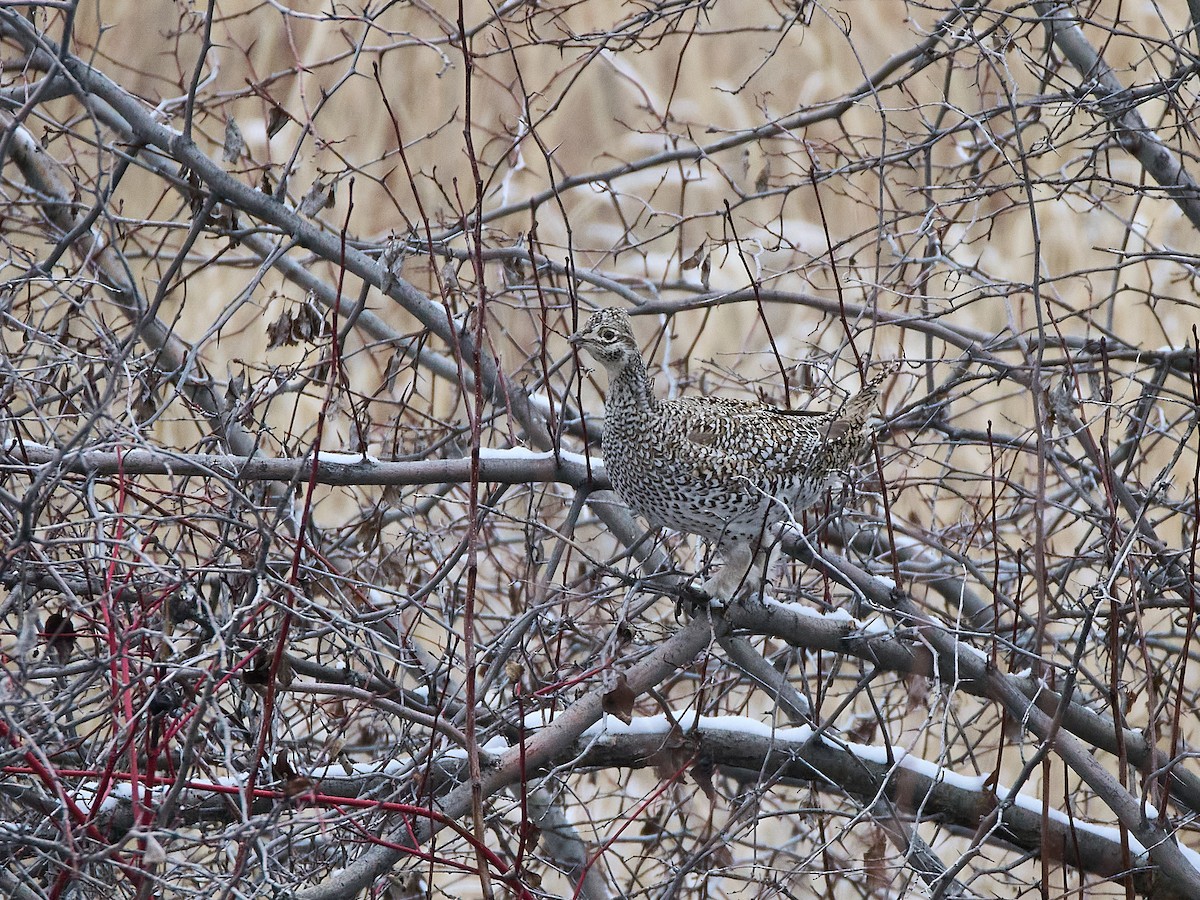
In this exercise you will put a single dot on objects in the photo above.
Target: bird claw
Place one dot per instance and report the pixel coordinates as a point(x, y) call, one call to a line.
point(694, 596)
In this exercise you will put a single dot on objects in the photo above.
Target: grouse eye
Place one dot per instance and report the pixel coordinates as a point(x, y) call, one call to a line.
point(607, 335)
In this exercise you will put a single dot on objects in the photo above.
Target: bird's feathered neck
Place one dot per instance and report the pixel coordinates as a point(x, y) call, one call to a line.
point(630, 386)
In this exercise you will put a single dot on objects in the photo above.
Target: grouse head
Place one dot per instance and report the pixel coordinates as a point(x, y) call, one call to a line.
point(608, 337)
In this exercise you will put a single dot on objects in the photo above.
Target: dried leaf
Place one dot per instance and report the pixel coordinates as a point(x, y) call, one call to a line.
point(624, 634)
point(721, 857)
point(299, 786)
point(652, 825)
point(259, 670)
point(763, 180)
point(147, 402)
point(879, 876)
point(167, 698)
point(514, 272)
point(285, 674)
point(702, 773)
point(154, 854)
point(918, 692)
point(320, 196)
point(276, 120)
point(676, 752)
point(804, 377)
point(407, 886)
point(60, 635)
point(694, 260)
point(279, 332)
point(302, 325)
point(335, 708)
point(234, 142)
point(864, 730)
point(396, 363)
point(619, 700)
point(196, 192)
point(283, 769)
point(312, 320)
point(235, 390)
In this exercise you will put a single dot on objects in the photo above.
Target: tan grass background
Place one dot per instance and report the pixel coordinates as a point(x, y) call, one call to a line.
point(550, 98)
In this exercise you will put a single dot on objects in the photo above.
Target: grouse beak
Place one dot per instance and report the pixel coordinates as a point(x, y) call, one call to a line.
point(578, 342)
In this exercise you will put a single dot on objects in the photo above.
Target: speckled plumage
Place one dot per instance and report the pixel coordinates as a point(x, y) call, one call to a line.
point(726, 470)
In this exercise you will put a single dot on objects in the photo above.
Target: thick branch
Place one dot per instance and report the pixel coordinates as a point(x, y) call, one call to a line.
point(1163, 165)
point(515, 466)
point(752, 751)
point(541, 750)
point(967, 663)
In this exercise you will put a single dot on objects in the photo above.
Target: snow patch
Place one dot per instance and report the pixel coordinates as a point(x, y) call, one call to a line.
point(346, 459)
